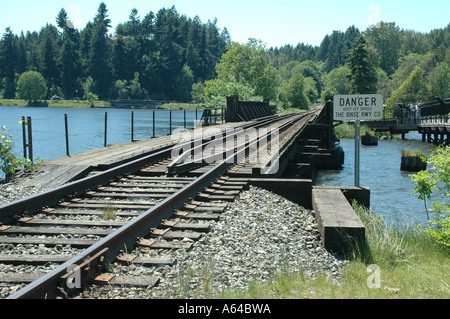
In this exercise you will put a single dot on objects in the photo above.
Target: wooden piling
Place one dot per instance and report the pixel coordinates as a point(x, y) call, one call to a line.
point(66, 126)
point(30, 139)
point(106, 129)
point(132, 126)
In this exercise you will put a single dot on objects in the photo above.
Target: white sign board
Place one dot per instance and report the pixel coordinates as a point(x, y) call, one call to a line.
point(361, 107)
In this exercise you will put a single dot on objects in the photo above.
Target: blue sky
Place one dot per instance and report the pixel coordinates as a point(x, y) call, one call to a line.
point(275, 22)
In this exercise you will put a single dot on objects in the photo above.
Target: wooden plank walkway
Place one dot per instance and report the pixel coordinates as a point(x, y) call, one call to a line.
point(59, 171)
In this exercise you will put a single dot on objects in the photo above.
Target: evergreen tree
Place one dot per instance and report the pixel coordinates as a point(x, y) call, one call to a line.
point(62, 18)
point(363, 76)
point(386, 40)
point(50, 69)
point(8, 63)
point(99, 54)
point(21, 55)
point(69, 69)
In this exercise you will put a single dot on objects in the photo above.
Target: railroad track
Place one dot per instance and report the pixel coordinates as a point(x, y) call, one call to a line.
point(69, 235)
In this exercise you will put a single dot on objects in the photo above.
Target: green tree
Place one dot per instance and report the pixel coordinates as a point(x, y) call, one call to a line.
point(8, 63)
point(310, 90)
point(363, 76)
point(50, 70)
point(184, 82)
point(409, 90)
point(217, 90)
point(62, 18)
point(31, 86)
point(70, 68)
point(439, 81)
point(337, 82)
point(136, 92)
point(198, 92)
point(292, 93)
point(249, 65)
point(386, 40)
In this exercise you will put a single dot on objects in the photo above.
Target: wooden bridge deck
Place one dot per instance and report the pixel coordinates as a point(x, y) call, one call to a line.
point(59, 171)
point(430, 125)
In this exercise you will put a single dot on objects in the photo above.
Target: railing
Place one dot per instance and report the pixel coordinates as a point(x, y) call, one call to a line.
point(435, 120)
point(97, 132)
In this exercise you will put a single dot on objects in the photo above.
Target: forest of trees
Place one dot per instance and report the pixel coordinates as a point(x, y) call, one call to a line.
point(166, 55)
point(159, 56)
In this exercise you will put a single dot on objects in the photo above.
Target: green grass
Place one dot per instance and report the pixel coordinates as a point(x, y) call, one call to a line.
point(412, 153)
point(411, 266)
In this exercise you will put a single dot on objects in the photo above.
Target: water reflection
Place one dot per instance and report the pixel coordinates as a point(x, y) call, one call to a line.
point(380, 170)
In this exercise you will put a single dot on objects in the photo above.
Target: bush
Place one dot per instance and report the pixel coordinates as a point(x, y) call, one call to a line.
point(434, 185)
point(8, 161)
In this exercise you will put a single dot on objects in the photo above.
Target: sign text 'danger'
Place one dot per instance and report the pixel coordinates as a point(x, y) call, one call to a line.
point(364, 107)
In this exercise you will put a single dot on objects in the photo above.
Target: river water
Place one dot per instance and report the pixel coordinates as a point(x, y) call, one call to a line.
point(86, 127)
point(380, 165)
point(391, 188)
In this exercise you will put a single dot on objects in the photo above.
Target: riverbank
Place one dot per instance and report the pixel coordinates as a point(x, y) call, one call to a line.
point(394, 265)
point(58, 103)
point(253, 259)
point(97, 104)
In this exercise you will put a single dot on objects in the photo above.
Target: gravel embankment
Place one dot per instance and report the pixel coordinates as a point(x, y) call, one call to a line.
point(257, 236)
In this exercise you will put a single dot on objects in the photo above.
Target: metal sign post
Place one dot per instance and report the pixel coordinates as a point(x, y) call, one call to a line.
point(357, 108)
point(357, 152)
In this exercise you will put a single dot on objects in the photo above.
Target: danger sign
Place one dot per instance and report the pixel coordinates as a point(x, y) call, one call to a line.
point(361, 107)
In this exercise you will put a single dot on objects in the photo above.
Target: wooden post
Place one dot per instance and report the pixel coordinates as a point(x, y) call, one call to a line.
point(106, 129)
point(154, 124)
point(24, 137)
point(67, 134)
point(132, 126)
point(30, 139)
point(170, 121)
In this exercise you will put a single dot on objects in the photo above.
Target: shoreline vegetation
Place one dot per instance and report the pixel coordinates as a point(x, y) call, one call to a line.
point(347, 130)
point(94, 104)
point(394, 264)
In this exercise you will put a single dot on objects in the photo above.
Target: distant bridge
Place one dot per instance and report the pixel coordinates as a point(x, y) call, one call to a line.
point(433, 123)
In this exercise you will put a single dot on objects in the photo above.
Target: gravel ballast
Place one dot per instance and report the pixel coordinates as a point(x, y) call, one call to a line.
point(257, 237)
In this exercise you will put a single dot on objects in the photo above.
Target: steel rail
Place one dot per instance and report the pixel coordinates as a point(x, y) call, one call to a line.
point(180, 165)
point(183, 157)
point(51, 284)
point(51, 197)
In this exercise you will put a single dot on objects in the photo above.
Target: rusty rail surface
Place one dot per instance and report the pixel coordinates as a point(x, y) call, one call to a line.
point(91, 260)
